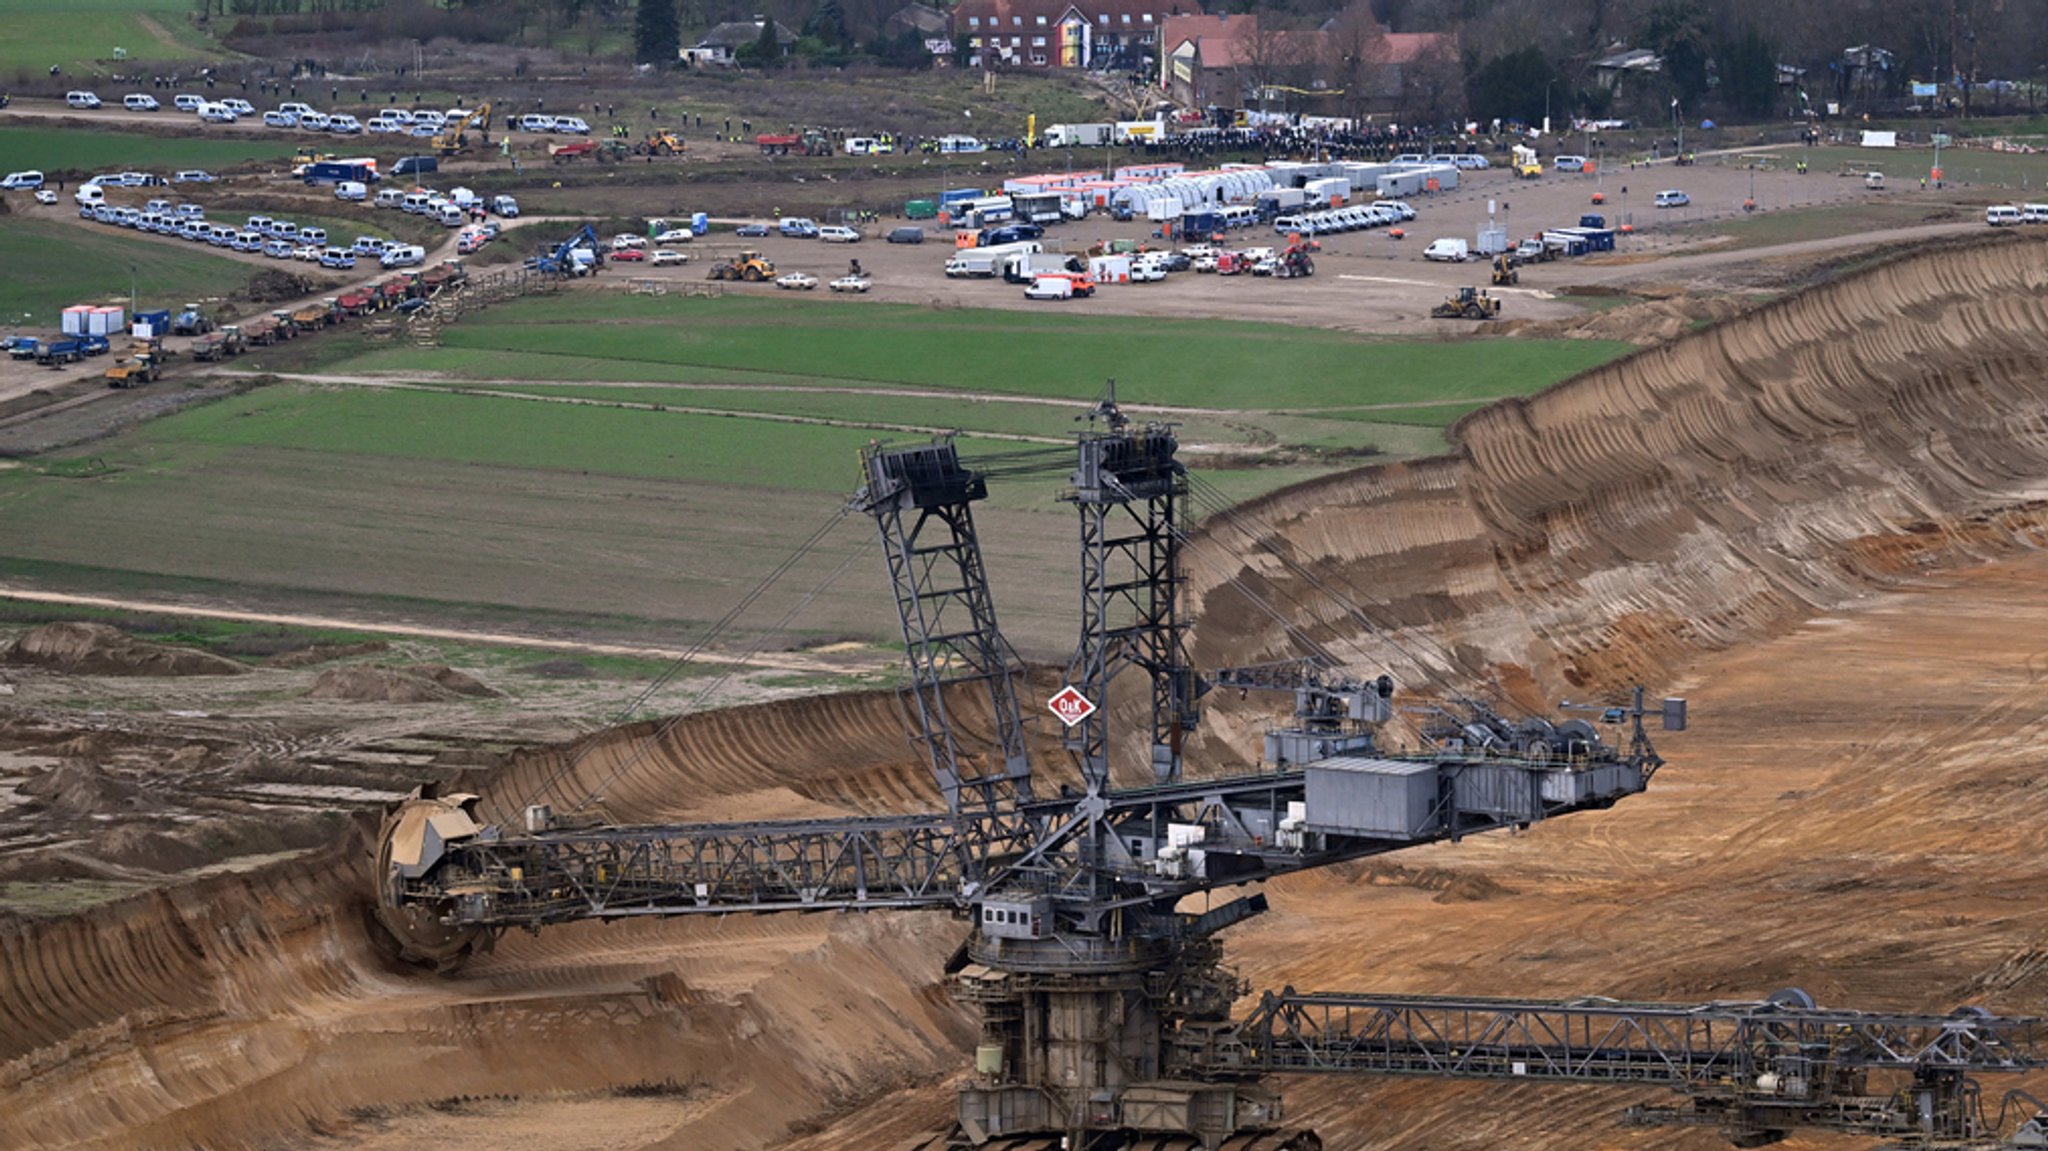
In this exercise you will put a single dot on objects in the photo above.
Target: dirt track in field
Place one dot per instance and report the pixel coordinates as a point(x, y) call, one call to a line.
point(1821, 522)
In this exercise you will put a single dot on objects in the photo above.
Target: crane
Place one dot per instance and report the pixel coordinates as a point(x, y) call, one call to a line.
point(1105, 1007)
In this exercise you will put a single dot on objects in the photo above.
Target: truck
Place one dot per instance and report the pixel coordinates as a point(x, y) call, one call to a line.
point(1079, 135)
point(142, 368)
point(1279, 201)
point(1139, 131)
point(987, 263)
point(219, 345)
point(191, 322)
point(1024, 267)
point(264, 331)
point(340, 172)
point(63, 350)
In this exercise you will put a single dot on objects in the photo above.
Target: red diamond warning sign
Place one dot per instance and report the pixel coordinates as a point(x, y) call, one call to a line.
point(1071, 706)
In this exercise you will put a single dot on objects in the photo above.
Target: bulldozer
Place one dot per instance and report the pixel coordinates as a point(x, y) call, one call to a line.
point(749, 265)
point(1467, 304)
point(1504, 270)
point(143, 368)
point(660, 144)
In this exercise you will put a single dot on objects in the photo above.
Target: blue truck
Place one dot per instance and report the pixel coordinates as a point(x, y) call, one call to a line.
point(340, 172)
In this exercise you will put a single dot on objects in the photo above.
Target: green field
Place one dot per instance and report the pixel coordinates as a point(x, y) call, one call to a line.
point(82, 33)
point(713, 437)
point(56, 150)
point(1181, 363)
point(51, 266)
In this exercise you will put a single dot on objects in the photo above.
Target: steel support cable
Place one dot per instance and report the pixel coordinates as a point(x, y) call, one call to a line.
point(646, 743)
point(710, 636)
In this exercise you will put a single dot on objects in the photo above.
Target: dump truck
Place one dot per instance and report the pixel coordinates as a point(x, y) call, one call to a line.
point(318, 315)
point(358, 303)
point(141, 368)
point(1467, 304)
point(264, 331)
point(191, 322)
point(749, 265)
point(219, 345)
point(63, 350)
point(809, 142)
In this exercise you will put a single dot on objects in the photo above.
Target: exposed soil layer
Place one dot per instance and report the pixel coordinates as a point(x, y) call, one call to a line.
point(1786, 518)
point(99, 649)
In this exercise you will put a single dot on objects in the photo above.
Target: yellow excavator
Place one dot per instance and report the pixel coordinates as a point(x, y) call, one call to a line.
point(454, 137)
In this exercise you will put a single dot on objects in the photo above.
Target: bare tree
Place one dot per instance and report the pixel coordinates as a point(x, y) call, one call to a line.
point(1354, 51)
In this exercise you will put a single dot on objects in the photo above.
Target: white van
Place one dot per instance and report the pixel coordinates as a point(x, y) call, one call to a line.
point(390, 198)
point(403, 256)
point(2034, 213)
point(2002, 215)
point(416, 202)
point(350, 190)
point(22, 181)
point(451, 216)
point(88, 194)
point(1449, 250)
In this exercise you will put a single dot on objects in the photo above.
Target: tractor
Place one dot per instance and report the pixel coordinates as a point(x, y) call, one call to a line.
point(749, 265)
point(1467, 304)
point(1295, 260)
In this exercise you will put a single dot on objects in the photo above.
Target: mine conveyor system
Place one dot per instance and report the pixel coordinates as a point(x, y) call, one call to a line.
point(1105, 1004)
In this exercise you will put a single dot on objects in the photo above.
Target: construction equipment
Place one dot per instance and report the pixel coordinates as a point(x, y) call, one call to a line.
point(220, 345)
point(660, 144)
point(141, 368)
point(575, 256)
point(748, 265)
point(809, 142)
point(568, 153)
point(1526, 164)
point(1295, 260)
point(1504, 270)
point(1095, 987)
point(191, 322)
point(1467, 304)
point(318, 315)
point(454, 137)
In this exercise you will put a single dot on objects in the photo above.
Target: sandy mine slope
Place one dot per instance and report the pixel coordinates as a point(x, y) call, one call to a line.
point(1820, 522)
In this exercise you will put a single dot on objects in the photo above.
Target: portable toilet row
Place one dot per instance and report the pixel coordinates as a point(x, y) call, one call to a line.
point(85, 320)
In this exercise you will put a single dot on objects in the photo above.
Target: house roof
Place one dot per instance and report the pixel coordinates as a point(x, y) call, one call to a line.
point(737, 33)
point(1408, 47)
point(922, 17)
point(1630, 60)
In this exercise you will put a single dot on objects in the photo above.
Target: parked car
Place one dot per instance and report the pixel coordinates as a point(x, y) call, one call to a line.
point(674, 236)
point(1672, 198)
point(838, 234)
point(45, 196)
point(139, 102)
point(851, 283)
point(751, 230)
point(1569, 163)
point(85, 100)
point(802, 281)
point(629, 255)
point(192, 176)
point(663, 256)
point(905, 236)
point(308, 252)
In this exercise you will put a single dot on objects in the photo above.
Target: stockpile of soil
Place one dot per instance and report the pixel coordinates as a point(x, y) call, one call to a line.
point(97, 649)
point(79, 787)
point(378, 683)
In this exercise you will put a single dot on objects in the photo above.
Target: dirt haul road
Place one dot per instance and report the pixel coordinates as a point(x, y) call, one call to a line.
point(1817, 521)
